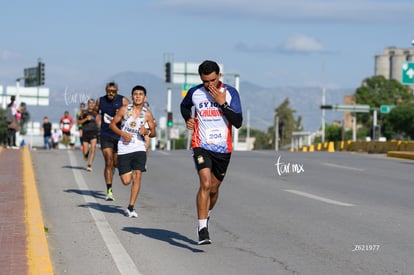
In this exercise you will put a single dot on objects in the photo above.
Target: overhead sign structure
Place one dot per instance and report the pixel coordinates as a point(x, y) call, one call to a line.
point(31, 96)
point(187, 72)
point(385, 109)
point(31, 77)
point(407, 77)
point(188, 86)
point(354, 108)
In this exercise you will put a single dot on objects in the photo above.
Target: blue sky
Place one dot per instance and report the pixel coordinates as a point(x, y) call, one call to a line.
point(268, 42)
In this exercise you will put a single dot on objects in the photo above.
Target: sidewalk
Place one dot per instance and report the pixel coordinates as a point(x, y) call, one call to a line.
point(24, 248)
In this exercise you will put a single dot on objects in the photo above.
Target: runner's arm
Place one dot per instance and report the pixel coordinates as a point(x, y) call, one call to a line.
point(236, 119)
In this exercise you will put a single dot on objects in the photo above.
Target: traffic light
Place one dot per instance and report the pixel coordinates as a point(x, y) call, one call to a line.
point(329, 107)
point(168, 72)
point(169, 119)
point(41, 73)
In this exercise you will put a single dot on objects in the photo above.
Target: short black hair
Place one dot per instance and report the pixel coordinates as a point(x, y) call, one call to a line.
point(140, 88)
point(111, 84)
point(208, 67)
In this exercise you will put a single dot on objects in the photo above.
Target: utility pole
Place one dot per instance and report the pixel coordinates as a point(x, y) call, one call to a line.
point(323, 114)
point(276, 132)
point(167, 128)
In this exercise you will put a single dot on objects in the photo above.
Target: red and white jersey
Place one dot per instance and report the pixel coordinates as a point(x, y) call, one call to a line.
point(66, 123)
point(212, 131)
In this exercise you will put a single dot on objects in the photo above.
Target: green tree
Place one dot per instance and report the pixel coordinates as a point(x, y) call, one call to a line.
point(287, 124)
point(401, 119)
point(333, 132)
point(376, 91)
point(262, 140)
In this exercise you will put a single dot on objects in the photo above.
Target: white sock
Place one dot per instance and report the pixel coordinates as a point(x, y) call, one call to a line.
point(202, 223)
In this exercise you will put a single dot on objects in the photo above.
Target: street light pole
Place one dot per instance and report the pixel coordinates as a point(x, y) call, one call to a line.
point(323, 114)
point(167, 129)
point(276, 132)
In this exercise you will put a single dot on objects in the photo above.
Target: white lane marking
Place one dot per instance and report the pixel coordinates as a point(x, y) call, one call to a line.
point(342, 166)
point(315, 197)
point(121, 257)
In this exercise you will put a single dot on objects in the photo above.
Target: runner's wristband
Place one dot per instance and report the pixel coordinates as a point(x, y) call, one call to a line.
point(224, 106)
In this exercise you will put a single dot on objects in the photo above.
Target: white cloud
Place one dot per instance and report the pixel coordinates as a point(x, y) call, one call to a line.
point(303, 44)
point(295, 44)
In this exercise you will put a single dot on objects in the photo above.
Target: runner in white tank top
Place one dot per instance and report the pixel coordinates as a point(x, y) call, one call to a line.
point(132, 125)
point(132, 156)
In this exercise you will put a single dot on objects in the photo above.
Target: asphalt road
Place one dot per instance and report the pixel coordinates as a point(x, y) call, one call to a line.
point(278, 213)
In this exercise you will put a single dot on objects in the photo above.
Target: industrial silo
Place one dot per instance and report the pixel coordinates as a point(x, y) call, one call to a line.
point(396, 66)
point(382, 66)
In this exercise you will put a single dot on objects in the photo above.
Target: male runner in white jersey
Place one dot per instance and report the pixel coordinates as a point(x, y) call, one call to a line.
point(132, 155)
point(217, 108)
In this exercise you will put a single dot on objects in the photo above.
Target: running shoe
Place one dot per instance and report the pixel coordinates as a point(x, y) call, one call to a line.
point(109, 195)
point(85, 156)
point(203, 236)
point(89, 168)
point(131, 214)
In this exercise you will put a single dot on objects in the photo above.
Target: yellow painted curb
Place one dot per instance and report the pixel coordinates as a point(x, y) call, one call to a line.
point(312, 148)
point(37, 248)
point(331, 147)
point(319, 147)
point(399, 154)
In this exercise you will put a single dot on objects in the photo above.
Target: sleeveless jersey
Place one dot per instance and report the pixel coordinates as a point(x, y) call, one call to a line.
point(132, 125)
point(66, 123)
point(212, 131)
point(107, 110)
point(89, 125)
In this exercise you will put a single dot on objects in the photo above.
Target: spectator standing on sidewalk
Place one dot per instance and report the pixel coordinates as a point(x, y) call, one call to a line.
point(12, 122)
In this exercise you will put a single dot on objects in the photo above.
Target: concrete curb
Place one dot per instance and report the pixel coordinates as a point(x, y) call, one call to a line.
point(401, 154)
point(37, 247)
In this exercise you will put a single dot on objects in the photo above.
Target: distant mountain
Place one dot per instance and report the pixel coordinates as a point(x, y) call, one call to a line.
point(259, 102)
point(306, 101)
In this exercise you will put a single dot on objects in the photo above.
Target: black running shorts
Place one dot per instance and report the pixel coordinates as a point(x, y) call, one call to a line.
point(88, 135)
point(132, 161)
point(109, 142)
point(217, 162)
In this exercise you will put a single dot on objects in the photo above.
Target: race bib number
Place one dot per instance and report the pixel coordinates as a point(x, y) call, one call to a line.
point(132, 140)
point(216, 135)
point(107, 118)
